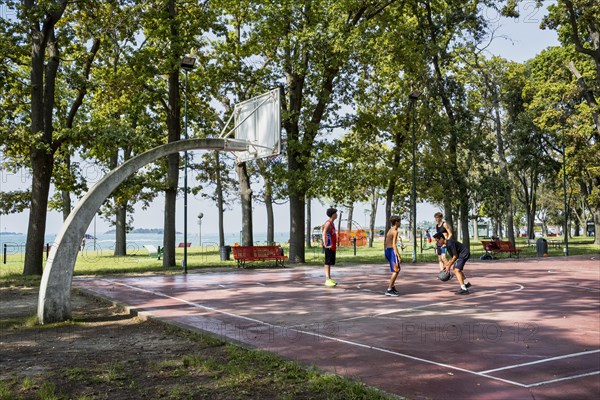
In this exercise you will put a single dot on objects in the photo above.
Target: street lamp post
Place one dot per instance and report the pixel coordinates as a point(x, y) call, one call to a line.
point(565, 229)
point(187, 64)
point(200, 216)
point(414, 95)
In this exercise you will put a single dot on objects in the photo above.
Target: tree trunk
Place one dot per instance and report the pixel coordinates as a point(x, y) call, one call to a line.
point(533, 204)
point(503, 162)
point(374, 199)
point(173, 110)
point(389, 198)
point(475, 229)
point(121, 230)
point(448, 214)
point(577, 223)
point(297, 215)
point(510, 221)
point(297, 168)
point(41, 165)
point(308, 233)
point(350, 216)
point(43, 80)
point(596, 217)
point(246, 202)
point(268, 199)
point(529, 202)
point(530, 226)
point(169, 234)
point(66, 195)
point(220, 199)
point(120, 213)
point(389, 194)
point(270, 218)
point(301, 146)
point(464, 221)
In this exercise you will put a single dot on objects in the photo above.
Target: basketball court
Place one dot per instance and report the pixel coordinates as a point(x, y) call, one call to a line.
point(529, 329)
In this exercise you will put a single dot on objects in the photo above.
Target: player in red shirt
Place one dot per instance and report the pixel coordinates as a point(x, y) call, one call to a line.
point(329, 245)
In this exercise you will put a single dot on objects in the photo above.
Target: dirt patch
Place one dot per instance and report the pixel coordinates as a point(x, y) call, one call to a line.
point(106, 353)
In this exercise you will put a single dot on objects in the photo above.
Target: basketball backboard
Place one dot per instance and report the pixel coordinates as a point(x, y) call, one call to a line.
point(258, 121)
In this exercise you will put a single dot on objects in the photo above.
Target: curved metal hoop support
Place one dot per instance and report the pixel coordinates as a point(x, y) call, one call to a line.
point(54, 302)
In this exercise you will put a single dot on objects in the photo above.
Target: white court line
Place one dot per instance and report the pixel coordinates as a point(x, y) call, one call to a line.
point(481, 374)
point(541, 361)
point(318, 335)
point(461, 299)
point(563, 379)
point(190, 303)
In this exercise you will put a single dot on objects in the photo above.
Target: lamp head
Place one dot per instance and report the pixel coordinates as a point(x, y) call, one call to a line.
point(187, 62)
point(415, 94)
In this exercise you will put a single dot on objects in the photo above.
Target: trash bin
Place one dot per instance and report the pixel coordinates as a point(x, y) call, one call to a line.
point(541, 247)
point(225, 253)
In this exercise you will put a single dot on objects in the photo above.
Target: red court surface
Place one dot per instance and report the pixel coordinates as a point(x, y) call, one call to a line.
point(530, 329)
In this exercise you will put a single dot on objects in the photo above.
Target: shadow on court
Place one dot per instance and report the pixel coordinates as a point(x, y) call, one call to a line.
point(529, 329)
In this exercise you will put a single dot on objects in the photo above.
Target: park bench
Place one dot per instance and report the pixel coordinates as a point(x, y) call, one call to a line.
point(557, 244)
point(500, 246)
point(153, 251)
point(181, 244)
point(243, 254)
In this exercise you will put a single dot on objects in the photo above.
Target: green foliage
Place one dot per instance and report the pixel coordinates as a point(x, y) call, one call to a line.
point(346, 69)
point(5, 391)
point(14, 201)
point(585, 16)
point(47, 392)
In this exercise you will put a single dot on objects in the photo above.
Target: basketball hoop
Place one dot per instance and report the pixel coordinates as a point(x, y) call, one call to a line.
point(258, 122)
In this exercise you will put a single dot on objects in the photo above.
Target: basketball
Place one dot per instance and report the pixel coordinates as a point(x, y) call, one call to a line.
point(444, 275)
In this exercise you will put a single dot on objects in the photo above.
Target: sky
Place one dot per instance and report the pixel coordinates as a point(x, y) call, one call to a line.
point(516, 39)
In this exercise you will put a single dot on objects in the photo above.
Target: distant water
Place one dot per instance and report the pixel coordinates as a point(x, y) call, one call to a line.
point(16, 242)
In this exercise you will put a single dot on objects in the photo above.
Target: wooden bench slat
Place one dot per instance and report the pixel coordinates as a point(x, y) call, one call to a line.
point(500, 246)
point(243, 254)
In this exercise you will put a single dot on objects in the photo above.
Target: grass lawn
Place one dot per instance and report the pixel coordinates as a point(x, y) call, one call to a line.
point(105, 353)
point(90, 262)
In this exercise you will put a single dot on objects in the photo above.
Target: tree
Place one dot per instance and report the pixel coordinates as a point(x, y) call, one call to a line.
point(271, 171)
point(242, 70)
point(362, 172)
point(37, 27)
point(216, 185)
point(314, 43)
point(445, 29)
point(117, 126)
point(171, 29)
point(578, 27)
point(494, 84)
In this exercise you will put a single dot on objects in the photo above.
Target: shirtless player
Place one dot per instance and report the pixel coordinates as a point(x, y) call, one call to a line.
point(393, 255)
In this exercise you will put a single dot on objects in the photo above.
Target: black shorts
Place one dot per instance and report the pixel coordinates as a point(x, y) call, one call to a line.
point(329, 256)
point(460, 263)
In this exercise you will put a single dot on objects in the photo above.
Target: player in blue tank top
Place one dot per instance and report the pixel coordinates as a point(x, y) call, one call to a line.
point(441, 227)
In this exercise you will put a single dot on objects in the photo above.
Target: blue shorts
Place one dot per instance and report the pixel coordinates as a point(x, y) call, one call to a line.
point(390, 255)
point(441, 250)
